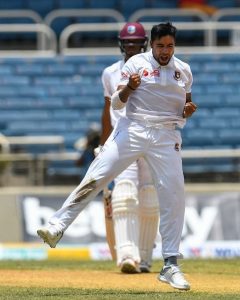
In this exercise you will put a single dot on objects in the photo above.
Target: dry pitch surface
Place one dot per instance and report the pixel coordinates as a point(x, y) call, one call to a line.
point(113, 279)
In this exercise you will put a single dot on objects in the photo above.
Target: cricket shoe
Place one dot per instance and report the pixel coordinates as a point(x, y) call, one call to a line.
point(172, 275)
point(144, 267)
point(50, 238)
point(129, 266)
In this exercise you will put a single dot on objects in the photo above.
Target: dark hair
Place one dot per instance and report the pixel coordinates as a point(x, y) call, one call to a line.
point(163, 29)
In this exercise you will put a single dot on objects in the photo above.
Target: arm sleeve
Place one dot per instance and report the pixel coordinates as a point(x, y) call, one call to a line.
point(127, 70)
point(106, 83)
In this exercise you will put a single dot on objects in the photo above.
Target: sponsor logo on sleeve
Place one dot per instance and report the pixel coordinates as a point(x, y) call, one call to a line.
point(124, 75)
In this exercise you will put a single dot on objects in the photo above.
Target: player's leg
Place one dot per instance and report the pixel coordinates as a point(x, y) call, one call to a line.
point(91, 185)
point(106, 166)
point(166, 163)
point(125, 217)
point(148, 215)
point(164, 158)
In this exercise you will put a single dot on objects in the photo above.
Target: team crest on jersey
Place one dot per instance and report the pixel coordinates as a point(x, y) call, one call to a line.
point(177, 147)
point(177, 75)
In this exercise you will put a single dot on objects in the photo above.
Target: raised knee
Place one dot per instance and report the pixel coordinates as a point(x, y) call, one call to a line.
point(84, 191)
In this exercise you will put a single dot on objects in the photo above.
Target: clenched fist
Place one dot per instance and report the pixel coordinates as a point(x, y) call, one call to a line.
point(134, 81)
point(189, 109)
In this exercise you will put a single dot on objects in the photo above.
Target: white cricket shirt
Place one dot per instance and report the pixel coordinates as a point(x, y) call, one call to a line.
point(110, 80)
point(161, 96)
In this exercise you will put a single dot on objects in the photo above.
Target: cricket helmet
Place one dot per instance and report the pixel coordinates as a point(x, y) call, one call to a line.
point(132, 31)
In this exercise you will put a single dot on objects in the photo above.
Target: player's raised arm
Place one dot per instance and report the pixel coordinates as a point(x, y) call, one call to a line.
point(120, 97)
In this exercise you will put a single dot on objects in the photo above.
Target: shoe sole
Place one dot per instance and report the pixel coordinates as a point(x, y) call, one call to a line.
point(164, 280)
point(43, 235)
point(128, 269)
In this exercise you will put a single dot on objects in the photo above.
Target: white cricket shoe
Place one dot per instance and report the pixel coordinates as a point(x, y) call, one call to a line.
point(129, 266)
point(50, 238)
point(172, 275)
point(144, 267)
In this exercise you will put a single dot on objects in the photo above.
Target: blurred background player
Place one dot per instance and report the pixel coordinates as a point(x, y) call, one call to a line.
point(132, 212)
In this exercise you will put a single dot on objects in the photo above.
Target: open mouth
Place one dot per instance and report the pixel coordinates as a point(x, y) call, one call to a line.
point(164, 59)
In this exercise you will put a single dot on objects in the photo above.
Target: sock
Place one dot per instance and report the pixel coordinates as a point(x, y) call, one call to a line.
point(172, 260)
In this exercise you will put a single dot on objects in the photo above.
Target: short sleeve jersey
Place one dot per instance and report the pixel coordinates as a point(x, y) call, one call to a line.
point(161, 96)
point(110, 80)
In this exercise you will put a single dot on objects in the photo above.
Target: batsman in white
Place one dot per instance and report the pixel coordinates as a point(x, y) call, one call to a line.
point(132, 213)
point(156, 88)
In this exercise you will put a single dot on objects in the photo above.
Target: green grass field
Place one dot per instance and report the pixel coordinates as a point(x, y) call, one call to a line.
point(210, 279)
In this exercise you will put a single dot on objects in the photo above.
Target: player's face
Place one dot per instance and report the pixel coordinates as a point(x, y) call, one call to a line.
point(163, 49)
point(132, 47)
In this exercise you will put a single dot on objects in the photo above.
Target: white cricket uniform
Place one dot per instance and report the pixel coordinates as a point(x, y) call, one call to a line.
point(153, 112)
point(136, 216)
point(110, 80)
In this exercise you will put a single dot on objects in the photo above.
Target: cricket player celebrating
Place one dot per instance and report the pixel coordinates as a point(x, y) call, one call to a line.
point(134, 207)
point(155, 87)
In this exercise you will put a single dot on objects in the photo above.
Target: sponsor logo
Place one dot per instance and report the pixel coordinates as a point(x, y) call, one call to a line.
point(155, 73)
point(207, 225)
point(227, 251)
point(87, 227)
point(177, 75)
point(145, 73)
point(124, 75)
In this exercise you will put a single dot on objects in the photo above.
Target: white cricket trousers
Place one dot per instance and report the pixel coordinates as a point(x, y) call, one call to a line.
point(129, 141)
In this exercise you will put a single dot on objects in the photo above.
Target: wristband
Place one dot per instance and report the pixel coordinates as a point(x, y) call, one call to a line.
point(116, 101)
point(130, 87)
